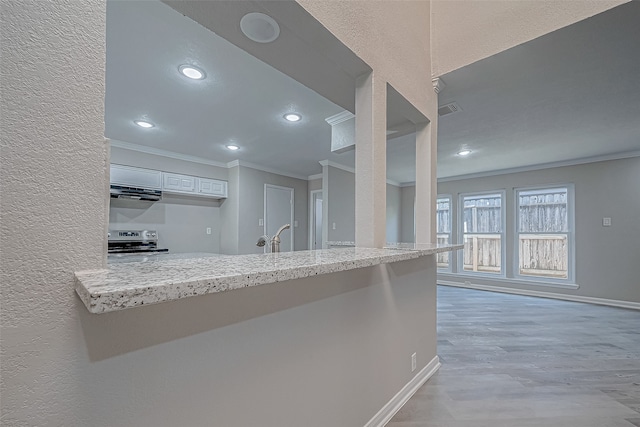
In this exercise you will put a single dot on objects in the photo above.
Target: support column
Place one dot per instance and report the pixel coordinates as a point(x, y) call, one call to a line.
point(371, 161)
point(426, 182)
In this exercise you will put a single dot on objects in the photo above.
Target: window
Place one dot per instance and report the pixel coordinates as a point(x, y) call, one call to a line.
point(443, 227)
point(482, 233)
point(544, 224)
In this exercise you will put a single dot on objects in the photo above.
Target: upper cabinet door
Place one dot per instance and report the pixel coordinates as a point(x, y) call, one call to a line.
point(128, 176)
point(212, 187)
point(178, 183)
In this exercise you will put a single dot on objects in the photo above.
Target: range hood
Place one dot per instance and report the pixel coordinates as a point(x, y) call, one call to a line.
point(135, 183)
point(135, 193)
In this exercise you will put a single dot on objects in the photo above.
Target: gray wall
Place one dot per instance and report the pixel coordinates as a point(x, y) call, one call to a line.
point(134, 158)
point(230, 214)
point(181, 221)
point(606, 257)
point(407, 212)
point(315, 184)
point(339, 205)
point(394, 213)
point(251, 208)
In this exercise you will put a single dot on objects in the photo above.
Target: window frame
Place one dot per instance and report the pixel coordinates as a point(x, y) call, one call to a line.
point(503, 234)
point(449, 197)
point(571, 261)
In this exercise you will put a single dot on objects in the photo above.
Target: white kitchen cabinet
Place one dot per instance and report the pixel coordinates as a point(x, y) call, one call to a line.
point(193, 185)
point(172, 182)
point(128, 176)
point(212, 187)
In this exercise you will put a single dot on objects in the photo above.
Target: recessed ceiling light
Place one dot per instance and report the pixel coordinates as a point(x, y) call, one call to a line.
point(192, 72)
point(233, 147)
point(464, 152)
point(143, 124)
point(259, 27)
point(292, 117)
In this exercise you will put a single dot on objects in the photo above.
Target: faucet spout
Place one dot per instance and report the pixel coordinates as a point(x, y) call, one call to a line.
point(275, 240)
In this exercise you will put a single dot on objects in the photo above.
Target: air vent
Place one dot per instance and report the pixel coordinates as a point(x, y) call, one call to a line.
point(449, 109)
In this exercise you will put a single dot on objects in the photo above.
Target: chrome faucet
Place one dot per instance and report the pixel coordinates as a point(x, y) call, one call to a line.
point(275, 240)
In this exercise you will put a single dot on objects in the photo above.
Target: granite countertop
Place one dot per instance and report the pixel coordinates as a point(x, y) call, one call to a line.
point(125, 285)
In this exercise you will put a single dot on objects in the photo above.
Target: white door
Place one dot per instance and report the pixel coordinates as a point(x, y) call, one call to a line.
point(315, 223)
point(278, 210)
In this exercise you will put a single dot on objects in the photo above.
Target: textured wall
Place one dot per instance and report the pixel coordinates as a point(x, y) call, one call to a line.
point(468, 31)
point(606, 257)
point(391, 36)
point(52, 74)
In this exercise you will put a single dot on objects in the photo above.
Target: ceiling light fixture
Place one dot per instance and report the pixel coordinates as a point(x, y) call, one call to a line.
point(191, 72)
point(464, 152)
point(143, 124)
point(232, 147)
point(292, 117)
point(259, 27)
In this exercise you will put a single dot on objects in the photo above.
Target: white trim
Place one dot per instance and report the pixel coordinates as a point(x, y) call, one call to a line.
point(312, 217)
point(468, 276)
point(408, 184)
point(571, 235)
point(552, 295)
point(352, 170)
point(337, 165)
point(503, 232)
point(165, 153)
point(339, 118)
point(316, 176)
point(582, 161)
point(242, 163)
point(387, 412)
point(292, 222)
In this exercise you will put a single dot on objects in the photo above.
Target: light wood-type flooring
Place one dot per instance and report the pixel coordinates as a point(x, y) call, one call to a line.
point(517, 361)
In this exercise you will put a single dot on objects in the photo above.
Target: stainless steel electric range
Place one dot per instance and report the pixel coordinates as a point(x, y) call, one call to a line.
point(134, 242)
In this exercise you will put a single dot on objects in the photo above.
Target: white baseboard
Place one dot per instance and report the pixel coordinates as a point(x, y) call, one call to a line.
point(387, 412)
point(552, 295)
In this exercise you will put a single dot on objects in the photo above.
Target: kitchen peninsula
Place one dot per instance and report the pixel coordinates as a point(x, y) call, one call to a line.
point(133, 284)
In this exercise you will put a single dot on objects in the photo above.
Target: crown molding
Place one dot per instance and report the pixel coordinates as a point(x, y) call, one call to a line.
point(165, 153)
point(408, 184)
point(250, 165)
point(438, 84)
point(339, 118)
point(352, 170)
point(316, 176)
point(574, 162)
point(337, 165)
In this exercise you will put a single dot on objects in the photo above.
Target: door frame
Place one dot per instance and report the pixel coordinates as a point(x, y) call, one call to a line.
point(312, 217)
point(292, 222)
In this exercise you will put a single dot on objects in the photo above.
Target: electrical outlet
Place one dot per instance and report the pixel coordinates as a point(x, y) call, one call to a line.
point(606, 222)
point(208, 230)
point(414, 358)
point(334, 226)
point(260, 222)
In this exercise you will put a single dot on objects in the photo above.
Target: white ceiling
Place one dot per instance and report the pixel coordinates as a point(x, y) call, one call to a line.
point(571, 94)
point(241, 101)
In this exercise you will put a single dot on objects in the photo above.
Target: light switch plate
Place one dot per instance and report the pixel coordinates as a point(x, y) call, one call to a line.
point(606, 222)
point(260, 222)
point(295, 223)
